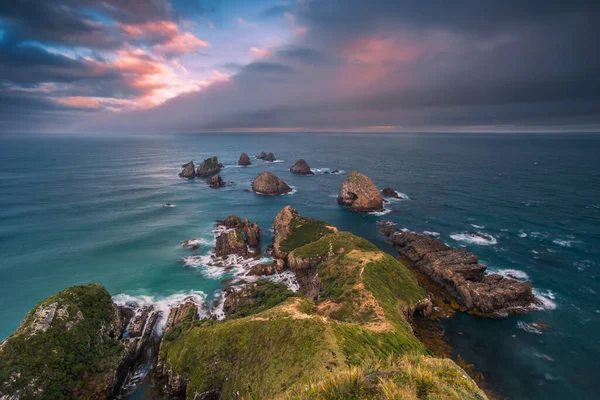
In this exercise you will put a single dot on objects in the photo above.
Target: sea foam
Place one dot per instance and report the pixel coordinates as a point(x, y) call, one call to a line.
point(475, 238)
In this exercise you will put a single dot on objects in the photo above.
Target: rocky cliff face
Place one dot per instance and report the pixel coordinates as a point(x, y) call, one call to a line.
point(71, 346)
point(459, 273)
point(269, 184)
point(301, 168)
point(360, 194)
point(188, 170)
point(244, 160)
point(208, 167)
point(240, 237)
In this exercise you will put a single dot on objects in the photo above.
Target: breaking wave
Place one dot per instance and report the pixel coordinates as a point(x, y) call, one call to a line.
point(475, 238)
point(529, 327)
point(514, 274)
point(380, 213)
point(546, 298)
point(430, 233)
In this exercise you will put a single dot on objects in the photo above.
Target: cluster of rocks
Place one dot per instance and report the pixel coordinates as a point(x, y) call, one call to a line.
point(238, 237)
point(459, 273)
point(266, 157)
point(208, 168)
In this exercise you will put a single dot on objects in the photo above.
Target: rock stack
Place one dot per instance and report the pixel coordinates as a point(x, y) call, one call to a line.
point(188, 170)
point(208, 167)
point(301, 168)
point(360, 194)
point(269, 184)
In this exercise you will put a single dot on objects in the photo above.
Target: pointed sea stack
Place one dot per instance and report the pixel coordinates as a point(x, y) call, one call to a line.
point(262, 155)
point(215, 182)
point(188, 170)
point(269, 184)
point(301, 168)
point(360, 194)
point(244, 160)
point(210, 166)
point(270, 157)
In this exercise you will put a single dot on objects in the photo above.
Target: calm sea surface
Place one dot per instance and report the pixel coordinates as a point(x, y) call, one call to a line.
point(78, 210)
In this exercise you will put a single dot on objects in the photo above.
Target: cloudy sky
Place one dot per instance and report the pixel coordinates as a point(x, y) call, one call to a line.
point(169, 66)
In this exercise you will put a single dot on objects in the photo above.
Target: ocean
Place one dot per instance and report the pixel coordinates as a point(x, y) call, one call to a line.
point(79, 209)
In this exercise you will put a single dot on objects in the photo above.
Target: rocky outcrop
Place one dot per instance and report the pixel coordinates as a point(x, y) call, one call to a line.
point(208, 167)
point(270, 157)
point(360, 194)
point(186, 311)
point(281, 229)
point(240, 237)
point(244, 160)
point(269, 184)
point(262, 155)
point(80, 324)
point(389, 192)
point(188, 170)
point(215, 182)
point(301, 168)
point(459, 273)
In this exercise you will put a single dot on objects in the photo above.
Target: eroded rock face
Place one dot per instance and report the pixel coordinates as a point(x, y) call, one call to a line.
point(301, 168)
point(360, 194)
point(460, 274)
point(240, 237)
point(215, 182)
point(187, 310)
point(208, 167)
point(244, 160)
point(270, 157)
point(281, 228)
point(188, 170)
point(269, 184)
point(262, 155)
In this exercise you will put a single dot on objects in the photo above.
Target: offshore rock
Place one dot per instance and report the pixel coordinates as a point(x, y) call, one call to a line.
point(240, 237)
point(360, 194)
point(188, 170)
point(231, 242)
point(262, 155)
point(389, 192)
point(269, 184)
point(459, 273)
point(215, 182)
point(270, 157)
point(244, 160)
point(301, 168)
point(208, 167)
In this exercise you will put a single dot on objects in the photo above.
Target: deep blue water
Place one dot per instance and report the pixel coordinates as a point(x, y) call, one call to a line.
point(78, 210)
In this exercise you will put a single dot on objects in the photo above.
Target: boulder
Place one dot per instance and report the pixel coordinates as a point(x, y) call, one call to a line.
point(459, 273)
point(269, 184)
point(215, 181)
point(244, 160)
point(360, 194)
point(188, 170)
point(208, 167)
point(301, 168)
point(270, 157)
point(389, 192)
point(262, 155)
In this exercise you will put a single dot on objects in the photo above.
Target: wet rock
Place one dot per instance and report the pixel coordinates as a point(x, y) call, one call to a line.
point(262, 155)
point(269, 184)
point(389, 192)
point(262, 269)
point(301, 168)
point(459, 273)
point(215, 182)
point(188, 170)
point(139, 320)
point(244, 160)
point(208, 167)
point(270, 157)
point(385, 223)
point(360, 194)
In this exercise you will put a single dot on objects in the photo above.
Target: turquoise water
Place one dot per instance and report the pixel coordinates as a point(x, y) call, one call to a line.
point(78, 210)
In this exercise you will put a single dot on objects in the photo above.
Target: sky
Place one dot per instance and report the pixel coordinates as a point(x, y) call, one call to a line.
point(184, 66)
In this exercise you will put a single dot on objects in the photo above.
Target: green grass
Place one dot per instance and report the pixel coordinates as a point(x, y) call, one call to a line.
point(259, 357)
point(335, 242)
point(304, 231)
point(409, 377)
point(263, 296)
point(57, 359)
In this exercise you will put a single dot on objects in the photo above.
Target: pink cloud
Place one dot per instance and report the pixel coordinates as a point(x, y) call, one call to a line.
point(180, 44)
point(79, 102)
point(259, 52)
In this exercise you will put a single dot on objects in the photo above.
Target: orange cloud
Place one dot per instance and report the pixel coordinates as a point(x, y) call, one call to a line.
point(79, 102)
point(180, 44)
point(259, 52)
point(151, 28)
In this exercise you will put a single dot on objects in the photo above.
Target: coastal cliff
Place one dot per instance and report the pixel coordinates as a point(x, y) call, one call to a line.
point(346, 333)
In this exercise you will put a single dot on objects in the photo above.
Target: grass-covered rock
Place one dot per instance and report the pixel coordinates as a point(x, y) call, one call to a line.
point(321, 346)
point(67, 347)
